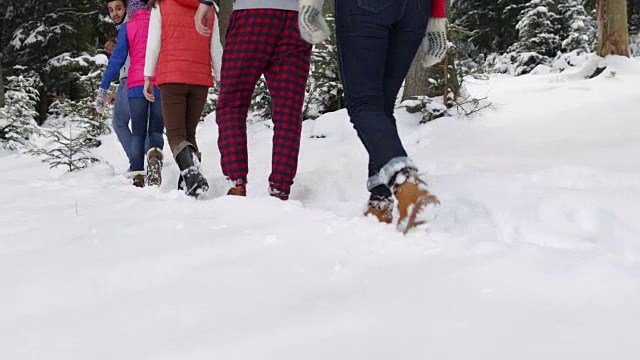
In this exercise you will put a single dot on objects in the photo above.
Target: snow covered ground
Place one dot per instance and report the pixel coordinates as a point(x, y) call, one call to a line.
point(535, 254)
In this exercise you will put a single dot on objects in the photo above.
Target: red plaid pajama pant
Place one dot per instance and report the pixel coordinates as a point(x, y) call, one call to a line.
point(262, 41)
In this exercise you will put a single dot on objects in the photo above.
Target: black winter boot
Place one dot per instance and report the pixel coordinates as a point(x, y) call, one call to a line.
point(181, 185)
point(194, 183)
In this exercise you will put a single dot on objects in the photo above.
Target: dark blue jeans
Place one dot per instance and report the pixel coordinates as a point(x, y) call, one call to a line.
point(121, 117)
point(377, 41)
point(146, 123)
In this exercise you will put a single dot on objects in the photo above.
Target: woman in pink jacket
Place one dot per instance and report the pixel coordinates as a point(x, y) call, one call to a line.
point(146, 116)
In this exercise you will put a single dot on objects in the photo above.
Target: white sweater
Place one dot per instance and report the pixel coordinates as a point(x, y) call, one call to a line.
point(154, 43)
point(291, 5)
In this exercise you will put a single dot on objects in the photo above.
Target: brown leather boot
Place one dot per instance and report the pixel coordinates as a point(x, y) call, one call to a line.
point(416, 205)
point(278, 194)
point(138, 179)
point(281, 196)
point(237, 188)
point(382, 209)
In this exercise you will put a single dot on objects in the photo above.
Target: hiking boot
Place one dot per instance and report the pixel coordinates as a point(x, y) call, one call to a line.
point(381, 208)
point(278, 194)
point(138, 178)
point(416, 205)
point(238, 188)
point(194, 183)
point(154, 167)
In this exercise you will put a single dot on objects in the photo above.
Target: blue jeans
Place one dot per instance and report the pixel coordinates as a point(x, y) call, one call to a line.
point(377, 41)
point(121, 118)
point(146, 123)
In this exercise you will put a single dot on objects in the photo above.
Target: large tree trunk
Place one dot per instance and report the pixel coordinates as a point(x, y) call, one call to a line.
point(226, 7)
point(1, 84)
point(417, 83)
point(613, 33)
point(439, 80)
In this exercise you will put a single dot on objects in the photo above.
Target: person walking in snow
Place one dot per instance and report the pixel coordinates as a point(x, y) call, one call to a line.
point(118, 13)
point(262, 38)
point(377, 41)
point(182, 60)
point(146, 117)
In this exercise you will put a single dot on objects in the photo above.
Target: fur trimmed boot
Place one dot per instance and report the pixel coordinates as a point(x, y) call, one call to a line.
point(381, 208)
point(416, 205)
point(138, 178)
point(154, 167)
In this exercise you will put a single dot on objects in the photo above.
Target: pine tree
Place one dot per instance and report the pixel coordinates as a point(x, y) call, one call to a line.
point(633, 11)
point(260, 108)
point(537, 39)
point(2, 101)
point(490, 21)
point(35, 33)
point(71, 150)
point(83, 116)
point(82, 112)
point(634, 46)
point(510, 15)
point(536, 29)
point(578, 29)
point(18, 116)
point(324, 91)
point(212, 101)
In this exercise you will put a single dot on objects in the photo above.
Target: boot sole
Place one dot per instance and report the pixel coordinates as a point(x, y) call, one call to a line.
point(424, 211)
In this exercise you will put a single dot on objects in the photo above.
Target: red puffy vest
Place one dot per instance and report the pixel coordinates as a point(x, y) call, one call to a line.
point(185, 57)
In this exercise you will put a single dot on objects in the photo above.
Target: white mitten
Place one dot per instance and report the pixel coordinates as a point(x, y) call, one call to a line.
point(100, 100)
point(313, 27)
point(434, 44)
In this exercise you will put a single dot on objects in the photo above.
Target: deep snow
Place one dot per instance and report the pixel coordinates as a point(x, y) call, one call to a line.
point(535, 254)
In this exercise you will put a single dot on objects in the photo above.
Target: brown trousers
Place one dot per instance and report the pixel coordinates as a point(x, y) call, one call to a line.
point(182, 106)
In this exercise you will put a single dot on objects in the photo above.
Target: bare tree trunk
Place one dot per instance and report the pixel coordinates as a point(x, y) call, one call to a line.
point(613, 33)
point(43, 105)
point(226, 7)
point(416, 83)
point(1, 84)
point(439, 80)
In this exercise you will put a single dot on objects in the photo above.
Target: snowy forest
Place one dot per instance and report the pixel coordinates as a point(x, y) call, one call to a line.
point(527, 132)
point(52, 56)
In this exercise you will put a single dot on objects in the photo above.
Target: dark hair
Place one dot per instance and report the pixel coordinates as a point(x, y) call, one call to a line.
point(153, 3)
point(124, 2)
